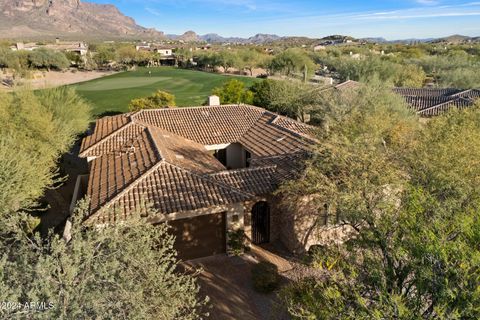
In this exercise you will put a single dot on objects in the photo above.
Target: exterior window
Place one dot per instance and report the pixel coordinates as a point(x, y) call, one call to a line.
point(221, 156)
point(248, 156)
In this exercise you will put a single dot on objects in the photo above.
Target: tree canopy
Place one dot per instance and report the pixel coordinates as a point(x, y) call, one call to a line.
point(159, 99)
point(123, 271)
point(407, 194)
point(233, 91)
point(291, 62)
point(126, 271)
point(36, 129)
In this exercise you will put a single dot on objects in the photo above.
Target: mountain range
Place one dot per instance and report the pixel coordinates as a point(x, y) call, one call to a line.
point(79, 20)
point(20, 19)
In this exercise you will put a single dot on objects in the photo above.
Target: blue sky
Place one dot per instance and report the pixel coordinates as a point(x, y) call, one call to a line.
point(389, 19)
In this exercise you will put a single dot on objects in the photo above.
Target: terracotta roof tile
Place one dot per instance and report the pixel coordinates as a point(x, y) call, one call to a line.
point(205, 125)
point(265, 138)
point(169, 189)
point(184, 153)
point(258, 181)
point(428, 102)
point(113, 172)
point(117, 140)
point(103, 128)
point(286, 166)
point(426, 92)
point(159, 156)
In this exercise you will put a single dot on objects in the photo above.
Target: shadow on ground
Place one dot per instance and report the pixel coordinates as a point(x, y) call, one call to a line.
point(227, 282)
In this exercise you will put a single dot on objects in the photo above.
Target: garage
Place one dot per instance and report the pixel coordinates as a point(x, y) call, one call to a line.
point(200, 236)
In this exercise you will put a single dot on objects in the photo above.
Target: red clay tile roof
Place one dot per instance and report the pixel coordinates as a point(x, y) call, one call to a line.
point(257, 181)
point(117, 140)
point(426, 92)
point(267, 138)
point(103, 128)
point(184, 153)
point(113, 172)
point(163, 168)
point(159, 156)
point(205, 125)
point(286, 166)
point(428, 102)
point(169, 189)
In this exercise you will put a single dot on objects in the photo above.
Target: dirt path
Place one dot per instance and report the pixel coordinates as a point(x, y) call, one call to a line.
point(50, 79)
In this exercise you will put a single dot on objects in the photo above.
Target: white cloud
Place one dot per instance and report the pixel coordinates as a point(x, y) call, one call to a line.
point(427, 2)
point(155, 12)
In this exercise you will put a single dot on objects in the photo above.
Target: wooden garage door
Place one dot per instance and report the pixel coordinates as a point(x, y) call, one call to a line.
point(200, 236)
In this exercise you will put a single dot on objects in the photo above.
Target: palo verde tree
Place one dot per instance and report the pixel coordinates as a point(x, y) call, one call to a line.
point(126, 271)
point(233, 91)
point(159, 99)
point(288, 97)
point(48, 59)
point(36, 129)
point(409, 197)
point(292, 62)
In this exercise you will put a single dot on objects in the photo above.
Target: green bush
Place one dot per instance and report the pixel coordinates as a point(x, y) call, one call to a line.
point(265, 277)
point(159, 99)
point(236, 242)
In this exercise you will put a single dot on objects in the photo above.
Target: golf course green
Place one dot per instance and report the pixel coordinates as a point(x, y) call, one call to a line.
point(113, 93)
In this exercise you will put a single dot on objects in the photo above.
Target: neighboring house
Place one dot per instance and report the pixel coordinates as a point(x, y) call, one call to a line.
point(143, 46)
point(24, 46)
point(206, 170)
point(428, 102)
point(164, 51)
point(80, 48)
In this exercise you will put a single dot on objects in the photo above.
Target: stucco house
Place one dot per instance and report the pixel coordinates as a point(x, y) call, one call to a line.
point(206, 170)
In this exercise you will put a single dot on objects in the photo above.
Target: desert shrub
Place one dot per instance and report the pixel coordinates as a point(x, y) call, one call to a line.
point(236, 242)
point(49, 59)
point(265, 277)
point(233, 91)
point(159, 99)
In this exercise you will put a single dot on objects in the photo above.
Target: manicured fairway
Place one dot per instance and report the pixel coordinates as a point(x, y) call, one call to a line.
point(113, 93)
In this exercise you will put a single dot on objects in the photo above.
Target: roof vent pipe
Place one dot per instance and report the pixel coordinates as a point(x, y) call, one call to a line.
point(214, 101)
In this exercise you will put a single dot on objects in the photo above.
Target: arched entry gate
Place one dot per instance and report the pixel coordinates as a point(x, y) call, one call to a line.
point(261, 223)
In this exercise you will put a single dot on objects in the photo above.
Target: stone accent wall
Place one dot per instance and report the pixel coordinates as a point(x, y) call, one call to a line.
point(300, 226)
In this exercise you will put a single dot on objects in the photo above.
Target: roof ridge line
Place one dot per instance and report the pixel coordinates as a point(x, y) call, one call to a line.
point(126, 189)
point(295, 133)
point(461, 92)
point(189, 107)
point(206, 177)
point(242, 170)
point(112, 134)
point(278, 116)
point(281, 155)
point(154, 142)
point(440, 104)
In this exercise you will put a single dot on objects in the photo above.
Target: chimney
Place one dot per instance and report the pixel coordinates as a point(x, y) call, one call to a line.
point(213, 101)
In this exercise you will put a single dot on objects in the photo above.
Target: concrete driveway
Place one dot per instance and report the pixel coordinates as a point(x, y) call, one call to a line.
point(227, 281)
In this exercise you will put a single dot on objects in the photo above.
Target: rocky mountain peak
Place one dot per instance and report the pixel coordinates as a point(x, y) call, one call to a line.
point(46, 18)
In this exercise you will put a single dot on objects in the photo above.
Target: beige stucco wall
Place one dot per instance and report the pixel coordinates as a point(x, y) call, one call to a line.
point(235, 156)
